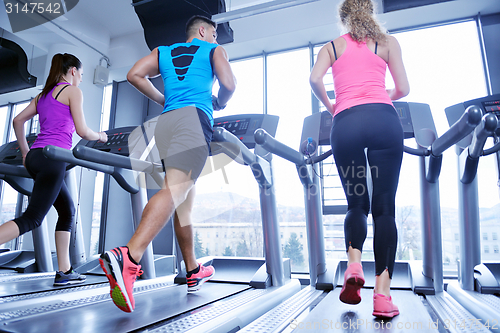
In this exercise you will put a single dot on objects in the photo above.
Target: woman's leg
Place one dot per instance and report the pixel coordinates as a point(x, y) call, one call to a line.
point(62, 249)
point(385, 156)
point(8, 231)
point(48, 176)
point(348, 151)
point(65, 208)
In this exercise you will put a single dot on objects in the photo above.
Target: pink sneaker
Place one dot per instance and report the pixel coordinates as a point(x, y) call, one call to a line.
point(383, 306)
point(195, 281)
point(353, 282)
point(121, 273)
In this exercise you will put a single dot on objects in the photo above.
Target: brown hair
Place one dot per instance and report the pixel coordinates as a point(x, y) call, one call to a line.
point(358, 17)
point(61, 64)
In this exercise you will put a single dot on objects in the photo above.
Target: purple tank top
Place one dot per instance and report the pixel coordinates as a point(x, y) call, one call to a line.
point(56, 123)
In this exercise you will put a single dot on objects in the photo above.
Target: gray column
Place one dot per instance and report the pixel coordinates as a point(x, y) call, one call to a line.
point(77, 253)
point(139, 201)
point(271, 233)
point(432, 252)
point(314, 223)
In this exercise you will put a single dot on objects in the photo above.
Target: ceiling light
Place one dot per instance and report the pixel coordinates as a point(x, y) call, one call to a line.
point(257, 9)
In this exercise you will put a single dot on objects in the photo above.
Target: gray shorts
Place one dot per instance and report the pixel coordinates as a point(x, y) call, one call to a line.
point(183, 137)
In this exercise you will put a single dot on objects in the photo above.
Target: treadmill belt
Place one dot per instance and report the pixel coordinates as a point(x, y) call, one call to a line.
point(333, 315)
point(40, 283)
point(99, 314)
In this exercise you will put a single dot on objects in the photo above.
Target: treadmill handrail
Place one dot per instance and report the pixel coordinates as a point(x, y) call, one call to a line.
point(102, 157)
point(277, 148)
point(459, 130)
point(481, 133)
point(13, 170)
point(222, 135)
point(492, 149)
point(319, 158)
point(416, 151)
point(65, 155)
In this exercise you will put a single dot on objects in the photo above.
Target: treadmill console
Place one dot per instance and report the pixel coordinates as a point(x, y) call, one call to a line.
point(403, 110)
point(118, 141)
point(243, 126)
point(492, 106)
point(488, 104)
point(325, 126)
point(10, 152)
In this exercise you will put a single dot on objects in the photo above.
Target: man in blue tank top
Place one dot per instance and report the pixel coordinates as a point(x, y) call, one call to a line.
point(183, 133)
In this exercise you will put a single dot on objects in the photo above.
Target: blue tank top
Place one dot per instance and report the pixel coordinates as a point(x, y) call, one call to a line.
point(188, 77)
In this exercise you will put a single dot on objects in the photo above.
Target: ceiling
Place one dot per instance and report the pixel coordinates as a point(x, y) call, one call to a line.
point(104, 24)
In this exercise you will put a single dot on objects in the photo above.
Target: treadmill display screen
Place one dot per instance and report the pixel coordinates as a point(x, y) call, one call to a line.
point(118, 141)
point(236, 127)
point(10, 153)
point(492, 107)
point(403, 111)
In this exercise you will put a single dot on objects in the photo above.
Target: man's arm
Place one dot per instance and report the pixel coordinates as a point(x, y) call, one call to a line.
point(224, 74)
point(139, 75)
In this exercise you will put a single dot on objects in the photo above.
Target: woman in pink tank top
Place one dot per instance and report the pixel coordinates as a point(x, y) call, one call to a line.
point(60, 110)
point(365, 119)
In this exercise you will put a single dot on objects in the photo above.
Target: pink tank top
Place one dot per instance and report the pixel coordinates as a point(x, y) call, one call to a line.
point(358, 77)
point(56, 123)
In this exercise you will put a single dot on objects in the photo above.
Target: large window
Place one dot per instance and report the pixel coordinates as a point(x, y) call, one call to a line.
point(99, 181)
point(226, 214)
point(289, 97)
point(4, 114)
point(249, 94)
point(441, 74)
point(227, 211)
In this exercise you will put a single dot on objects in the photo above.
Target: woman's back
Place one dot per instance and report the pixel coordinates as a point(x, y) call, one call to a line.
point(56, 122)
point(358, 74)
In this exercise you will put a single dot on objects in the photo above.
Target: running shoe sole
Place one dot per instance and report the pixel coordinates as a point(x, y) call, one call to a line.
point(68, 282)
point(197, 287)
point(113, 271)
point(350, 294)
point(385, 314)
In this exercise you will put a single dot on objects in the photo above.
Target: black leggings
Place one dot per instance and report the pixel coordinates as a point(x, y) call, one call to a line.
point(377, 128)
point(49, 189)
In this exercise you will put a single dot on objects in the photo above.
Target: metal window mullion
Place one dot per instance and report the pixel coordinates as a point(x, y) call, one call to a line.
point(105, 190)
point(264, 59)
point(483, 53)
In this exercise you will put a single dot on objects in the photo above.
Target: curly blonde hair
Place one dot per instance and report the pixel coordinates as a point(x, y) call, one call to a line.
point(358, 17)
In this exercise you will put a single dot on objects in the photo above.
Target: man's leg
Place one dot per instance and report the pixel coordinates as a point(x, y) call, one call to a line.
point(121, 264)
point(196, 274)
point(184, 230)
point(159, 209)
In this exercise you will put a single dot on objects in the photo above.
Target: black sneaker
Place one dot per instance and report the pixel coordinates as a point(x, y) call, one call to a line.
point(72, 277)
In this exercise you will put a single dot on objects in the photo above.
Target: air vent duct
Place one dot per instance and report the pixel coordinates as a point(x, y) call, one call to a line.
point(164, 21)
point(392, 5)
point(14, 68)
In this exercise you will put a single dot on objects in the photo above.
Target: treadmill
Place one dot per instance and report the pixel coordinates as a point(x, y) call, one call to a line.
point(477, 282)
point(161, 305)
point(13, 172)
point(316, 307)
point(32, 287)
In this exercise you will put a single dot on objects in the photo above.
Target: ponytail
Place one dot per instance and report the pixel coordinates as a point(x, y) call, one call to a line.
point(358, 17)
point(61, 64)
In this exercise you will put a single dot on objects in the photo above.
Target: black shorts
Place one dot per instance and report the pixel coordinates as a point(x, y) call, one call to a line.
point(183, 139)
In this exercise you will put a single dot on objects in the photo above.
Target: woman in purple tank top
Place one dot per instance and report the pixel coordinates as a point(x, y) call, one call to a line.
point(60, 110)
point(365, 120)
